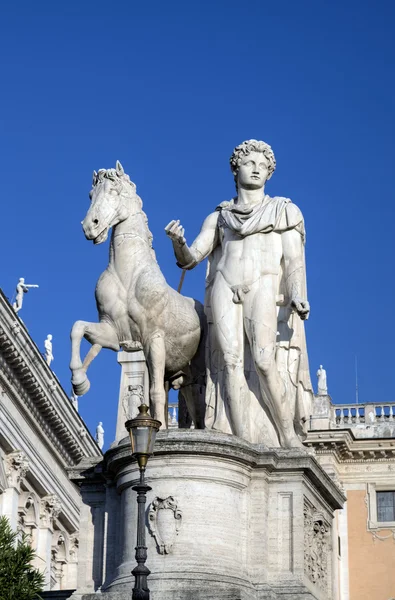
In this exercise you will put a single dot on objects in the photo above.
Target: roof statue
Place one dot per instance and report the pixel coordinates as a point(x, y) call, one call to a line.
point(48, 350)
point(74, 399)
point(322, 385)
point(100, 435)
point(21, 289)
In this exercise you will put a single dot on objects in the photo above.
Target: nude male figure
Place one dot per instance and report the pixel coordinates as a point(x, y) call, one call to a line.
point(261, 240)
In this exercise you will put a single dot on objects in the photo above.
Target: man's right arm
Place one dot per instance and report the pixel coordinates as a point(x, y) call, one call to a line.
point(189, 256)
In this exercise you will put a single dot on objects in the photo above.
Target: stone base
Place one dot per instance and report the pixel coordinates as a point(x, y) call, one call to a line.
point(228, 520)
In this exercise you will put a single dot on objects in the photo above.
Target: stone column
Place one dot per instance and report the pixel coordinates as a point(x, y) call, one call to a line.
point(343, 567)
point(17, 466)
point(91, 537)
point(49, 509)
point(133, 389)
point(72, 567)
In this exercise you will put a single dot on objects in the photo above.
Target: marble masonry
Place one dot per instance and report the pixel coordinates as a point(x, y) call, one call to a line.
point(227, 519)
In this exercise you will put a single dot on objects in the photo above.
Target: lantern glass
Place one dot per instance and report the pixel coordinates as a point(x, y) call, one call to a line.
point(143, 440)
point(142, 431)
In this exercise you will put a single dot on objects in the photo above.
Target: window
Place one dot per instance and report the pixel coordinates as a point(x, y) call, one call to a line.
point(385, 506)
point(381, 506)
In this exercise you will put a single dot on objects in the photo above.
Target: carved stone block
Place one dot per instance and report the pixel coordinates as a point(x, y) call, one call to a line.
point(164, 518)
point(256, 522)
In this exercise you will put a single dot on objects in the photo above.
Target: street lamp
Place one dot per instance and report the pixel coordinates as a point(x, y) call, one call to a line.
point(142, 431)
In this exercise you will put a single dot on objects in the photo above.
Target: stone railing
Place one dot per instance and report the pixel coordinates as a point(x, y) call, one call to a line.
point(370, 419)
point(348, 415)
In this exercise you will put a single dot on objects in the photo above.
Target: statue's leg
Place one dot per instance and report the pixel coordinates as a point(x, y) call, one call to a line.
point(260, 321)
point(100, 335)
point(156, 355)
point(229, 331)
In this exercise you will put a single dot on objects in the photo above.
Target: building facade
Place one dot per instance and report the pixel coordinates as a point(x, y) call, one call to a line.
point(42, 437)
point(355, 444)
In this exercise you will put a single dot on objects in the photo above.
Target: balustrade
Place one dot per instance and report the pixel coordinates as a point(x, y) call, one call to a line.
point(348, 415)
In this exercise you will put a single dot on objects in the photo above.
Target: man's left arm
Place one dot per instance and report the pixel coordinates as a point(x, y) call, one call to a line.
point(294, 267)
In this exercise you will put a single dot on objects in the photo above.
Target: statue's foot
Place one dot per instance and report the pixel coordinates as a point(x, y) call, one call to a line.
point(80, 382)
point(291, 440)
point(131, 346)
point(295, 443)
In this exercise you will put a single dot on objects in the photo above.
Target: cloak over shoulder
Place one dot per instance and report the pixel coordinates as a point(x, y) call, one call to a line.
point(278, 215)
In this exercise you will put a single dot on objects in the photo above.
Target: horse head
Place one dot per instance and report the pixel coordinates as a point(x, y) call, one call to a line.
point(111, 197)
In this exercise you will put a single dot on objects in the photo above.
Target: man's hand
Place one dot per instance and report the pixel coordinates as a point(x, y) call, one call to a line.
point(302, 307)
point(175, 231)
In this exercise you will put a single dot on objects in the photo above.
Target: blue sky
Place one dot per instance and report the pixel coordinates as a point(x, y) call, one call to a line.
point(169, 89)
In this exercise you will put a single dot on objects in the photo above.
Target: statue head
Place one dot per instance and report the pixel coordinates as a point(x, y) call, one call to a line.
point(21, 280)
point(49, 337)
point(261, 168)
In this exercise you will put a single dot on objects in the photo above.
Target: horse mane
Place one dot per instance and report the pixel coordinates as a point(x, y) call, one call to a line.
point(114, 176)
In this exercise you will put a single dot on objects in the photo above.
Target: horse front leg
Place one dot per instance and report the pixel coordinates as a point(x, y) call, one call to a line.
point(156, 357)
point(100, 335)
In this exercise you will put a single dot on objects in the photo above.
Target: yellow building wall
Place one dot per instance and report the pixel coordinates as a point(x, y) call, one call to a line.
point(371, 562)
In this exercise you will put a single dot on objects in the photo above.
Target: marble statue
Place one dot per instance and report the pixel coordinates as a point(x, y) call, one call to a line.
point(322, 385)
point(258, 382)
point(48, 350)
point(137, 309)
point(100, 435)
point(21, 288)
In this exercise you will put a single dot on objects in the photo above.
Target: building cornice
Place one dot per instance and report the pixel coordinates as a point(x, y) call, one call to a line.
point(347, 448)
point(27, 378)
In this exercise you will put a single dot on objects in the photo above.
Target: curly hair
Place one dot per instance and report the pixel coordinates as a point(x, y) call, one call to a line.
point(244, 149)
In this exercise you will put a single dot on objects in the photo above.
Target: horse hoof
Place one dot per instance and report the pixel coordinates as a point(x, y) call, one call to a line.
point(80, 382)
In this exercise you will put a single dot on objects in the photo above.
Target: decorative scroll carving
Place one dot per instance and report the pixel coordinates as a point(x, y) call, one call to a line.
point(382, 538)
point(132, 400)
point(316, 547)
point(164, 520)
point(15, 328)
point(50, 509)
point(17, 465)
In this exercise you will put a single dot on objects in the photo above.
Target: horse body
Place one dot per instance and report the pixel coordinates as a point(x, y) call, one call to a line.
point(137, 308)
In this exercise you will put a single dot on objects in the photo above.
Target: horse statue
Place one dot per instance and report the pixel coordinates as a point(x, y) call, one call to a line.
point(137, 309)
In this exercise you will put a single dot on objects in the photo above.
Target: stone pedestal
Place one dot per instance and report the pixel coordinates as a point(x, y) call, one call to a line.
point(323, 414)
point(227, 520)
point(133, 389)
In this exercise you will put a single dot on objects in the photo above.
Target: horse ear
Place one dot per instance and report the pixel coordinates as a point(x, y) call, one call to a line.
point(119, 168)
point(94, 178)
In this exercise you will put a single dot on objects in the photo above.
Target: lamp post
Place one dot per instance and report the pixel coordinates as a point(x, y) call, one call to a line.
point(142, 431)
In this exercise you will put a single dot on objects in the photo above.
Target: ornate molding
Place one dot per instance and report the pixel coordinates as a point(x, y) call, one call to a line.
point(17, 373)
point(164, 520)
point(17, 465)
point(316, 547)
point(348, 449)
point(382, 538)
point(50, 508)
